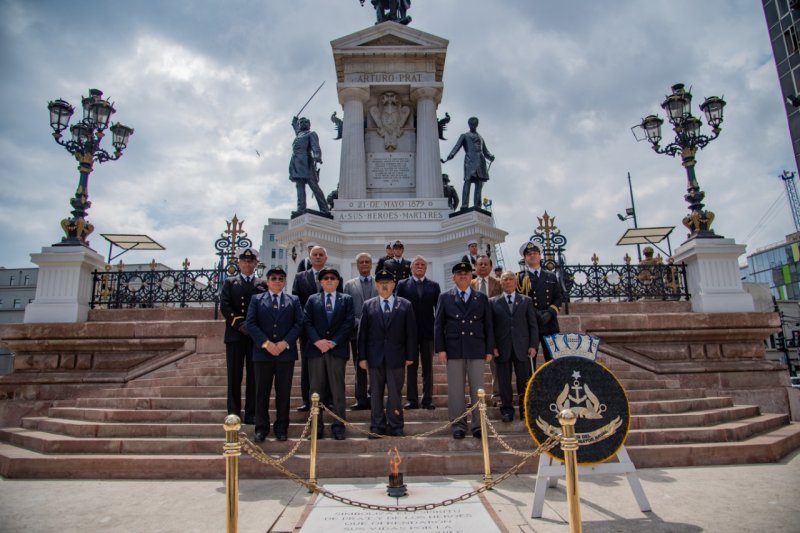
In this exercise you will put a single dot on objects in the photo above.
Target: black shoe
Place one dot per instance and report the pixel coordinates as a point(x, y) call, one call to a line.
point(428, 406)
point(338, 435)
point(397, 433)
point(476, 433)
point(280, 437)
point(459, 434)
point(249, 421)
point(360, 406)
point(411, 405)
point(304, 408)
point(260, 436)
point(508, 418)
point(374, 436)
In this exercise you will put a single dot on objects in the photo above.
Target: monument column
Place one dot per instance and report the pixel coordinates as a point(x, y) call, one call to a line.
point(353, 165)
point(429, 166)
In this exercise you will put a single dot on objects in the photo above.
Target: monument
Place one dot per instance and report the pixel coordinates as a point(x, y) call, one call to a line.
point(389, 83)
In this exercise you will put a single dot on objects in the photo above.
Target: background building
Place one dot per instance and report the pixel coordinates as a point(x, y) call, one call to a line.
point(783, 22)
point(778, 266)
point(271, 253)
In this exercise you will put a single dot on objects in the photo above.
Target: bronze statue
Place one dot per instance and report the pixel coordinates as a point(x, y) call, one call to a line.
point(450, 192)
point(391, 10)
point(306, 155)
point(475, 168)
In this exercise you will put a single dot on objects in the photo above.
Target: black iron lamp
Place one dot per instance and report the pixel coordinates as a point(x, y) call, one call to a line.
point(85, 147)
point(688, 139)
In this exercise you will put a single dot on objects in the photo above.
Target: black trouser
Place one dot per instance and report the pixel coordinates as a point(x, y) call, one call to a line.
point(239, 359)
point(360, 388)
point(388, 419)
point(523, 372)
point(281, 372)
point(425, 356)
point(327, 374)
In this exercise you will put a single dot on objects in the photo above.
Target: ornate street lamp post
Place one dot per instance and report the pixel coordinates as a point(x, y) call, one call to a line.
point(688, 140)
point(85, 146)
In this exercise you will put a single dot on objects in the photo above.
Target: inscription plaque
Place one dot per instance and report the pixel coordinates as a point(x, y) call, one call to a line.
point(390, 170)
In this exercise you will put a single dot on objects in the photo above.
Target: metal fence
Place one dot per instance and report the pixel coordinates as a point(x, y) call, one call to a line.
point(625, 282)
point(155, 288)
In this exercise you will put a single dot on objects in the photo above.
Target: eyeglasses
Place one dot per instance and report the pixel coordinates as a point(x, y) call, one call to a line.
point(280, 280)
point(330, 278)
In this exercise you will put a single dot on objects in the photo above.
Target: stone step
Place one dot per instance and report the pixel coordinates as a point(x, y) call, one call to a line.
point(663, 394)
point(693, 419)
point(680, 405)
point(734, 431)
point(764, 448)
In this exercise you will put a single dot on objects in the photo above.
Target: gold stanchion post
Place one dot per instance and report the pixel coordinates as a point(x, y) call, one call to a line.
point(569, 444)
point(487, 467)
point(231, 451)
point(312, 468)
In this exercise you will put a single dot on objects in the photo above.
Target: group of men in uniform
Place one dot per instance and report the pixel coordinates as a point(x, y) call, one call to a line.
point(389, 323)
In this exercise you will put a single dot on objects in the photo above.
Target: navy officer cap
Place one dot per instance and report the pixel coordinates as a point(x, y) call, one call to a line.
point(276, 271)
point(249, 253)
point(328, 270)
point(384, 275)
point(462, 266)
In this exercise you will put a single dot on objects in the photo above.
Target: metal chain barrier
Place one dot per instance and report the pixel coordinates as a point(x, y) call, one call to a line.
point(257, 453)
point(358, 429)
point(291, 453)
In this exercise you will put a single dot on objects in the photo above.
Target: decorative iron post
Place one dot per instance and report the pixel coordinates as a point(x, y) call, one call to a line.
point(232, 451)
point(569, 444)
point(487, 467)
point(312, 468)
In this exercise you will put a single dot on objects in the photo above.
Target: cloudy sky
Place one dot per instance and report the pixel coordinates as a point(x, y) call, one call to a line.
point(557, 86)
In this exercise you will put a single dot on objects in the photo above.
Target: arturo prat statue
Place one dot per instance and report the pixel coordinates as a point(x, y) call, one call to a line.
point(475, 168)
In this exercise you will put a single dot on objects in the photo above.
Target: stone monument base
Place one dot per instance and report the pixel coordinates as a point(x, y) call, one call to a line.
point(64, 288)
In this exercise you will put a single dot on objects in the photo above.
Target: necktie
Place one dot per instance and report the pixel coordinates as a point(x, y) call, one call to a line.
point(483, 286)
point(328, 307)
point(510, 302)
point(463, 295)
point(386, 308)
point(419, 288)
point(274, 302)
point(536, 275)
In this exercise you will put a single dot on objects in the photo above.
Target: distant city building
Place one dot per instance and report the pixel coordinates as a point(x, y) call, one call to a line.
point(778, 266)
point(17, 290)
point(783, 23)
point(270, 253)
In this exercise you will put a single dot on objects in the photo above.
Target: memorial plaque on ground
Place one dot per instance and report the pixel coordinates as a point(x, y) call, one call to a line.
point(592, 392)
point(390, 170)
point(467, 516)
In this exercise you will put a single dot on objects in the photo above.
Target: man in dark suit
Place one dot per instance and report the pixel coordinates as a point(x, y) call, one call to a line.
point(464, 340)
point(387, 343)
point(329, 321)
point(485, 283)
point(234, 301)
point(423, 295)
point(398, 266)
point(305, 263)
point(516, 341)
point(305, 284)
point(361, 289)
point(274, 320)
point(543, 288)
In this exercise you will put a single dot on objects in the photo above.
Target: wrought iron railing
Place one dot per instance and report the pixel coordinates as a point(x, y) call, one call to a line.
point(625, 282)
point(155, 288)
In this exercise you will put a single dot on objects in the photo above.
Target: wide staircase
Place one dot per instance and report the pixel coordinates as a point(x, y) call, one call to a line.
point(169, 424)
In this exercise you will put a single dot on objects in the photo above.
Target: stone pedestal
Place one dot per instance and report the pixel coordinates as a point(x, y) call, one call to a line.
point(712, 271)
point(64, 287)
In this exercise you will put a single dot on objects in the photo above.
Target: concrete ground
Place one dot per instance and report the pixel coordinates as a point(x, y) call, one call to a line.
point(717, 498)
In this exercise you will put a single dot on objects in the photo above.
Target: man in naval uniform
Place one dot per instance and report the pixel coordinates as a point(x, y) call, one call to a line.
point(389, 255)
point(543, 288)
point(399, 266)
point(475, 168)
point(274, 320)
point(234, 301)
point(306, 155)
point(471, 256)
point(464, 341)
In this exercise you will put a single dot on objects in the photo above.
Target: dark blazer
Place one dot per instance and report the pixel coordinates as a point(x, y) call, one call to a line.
point(234, 300)
point(425, 307)
point(391, 342)
point(514, 331)
point(400, 269)
point(462, 330)
point(305, 284)
point(547, 298)
point(471, 259)
point(338, 331)
point(267, 324)
point(303, 265)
